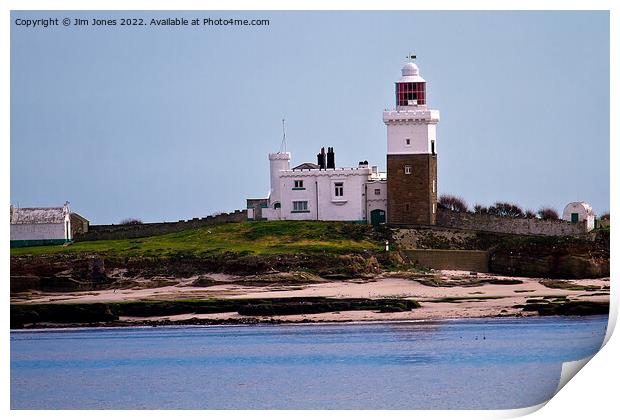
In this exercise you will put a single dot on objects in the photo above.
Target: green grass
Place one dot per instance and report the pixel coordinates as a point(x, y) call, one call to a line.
point(277, 237)
point(566, 285)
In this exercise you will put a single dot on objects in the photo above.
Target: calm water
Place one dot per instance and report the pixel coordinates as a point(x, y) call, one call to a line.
point(465, 364)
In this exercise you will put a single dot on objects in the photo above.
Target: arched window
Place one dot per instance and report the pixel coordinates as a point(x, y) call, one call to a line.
point(276, 205)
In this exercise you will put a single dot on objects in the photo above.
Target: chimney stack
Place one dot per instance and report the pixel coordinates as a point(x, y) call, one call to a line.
point(331, 158)
point(321, 159)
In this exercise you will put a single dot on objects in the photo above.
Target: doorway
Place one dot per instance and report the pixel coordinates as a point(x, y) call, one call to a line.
point(377, 217)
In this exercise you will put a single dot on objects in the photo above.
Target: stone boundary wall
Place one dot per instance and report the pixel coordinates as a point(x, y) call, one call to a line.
point(436, 238)
point(519, 226)
point(449, 259)
point(100, 232)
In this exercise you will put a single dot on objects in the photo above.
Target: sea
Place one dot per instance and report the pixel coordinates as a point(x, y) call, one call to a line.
point(487, 363)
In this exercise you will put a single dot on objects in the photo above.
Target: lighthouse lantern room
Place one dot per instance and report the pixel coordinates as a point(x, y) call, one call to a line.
point(411, 88)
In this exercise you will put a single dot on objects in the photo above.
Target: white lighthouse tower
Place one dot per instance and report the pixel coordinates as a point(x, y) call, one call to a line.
point(411, 152)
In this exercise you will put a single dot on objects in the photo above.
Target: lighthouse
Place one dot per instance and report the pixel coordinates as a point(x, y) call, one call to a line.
point(411, 152)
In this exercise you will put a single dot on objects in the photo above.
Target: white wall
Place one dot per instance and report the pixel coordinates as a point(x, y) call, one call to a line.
point(321, 184)
point(376, 201)
point(417, 125)
point(39, 231)
point(34, 231)
point(420, 136)
point(271, 213)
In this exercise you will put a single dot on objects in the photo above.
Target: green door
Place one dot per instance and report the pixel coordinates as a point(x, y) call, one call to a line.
point(574, 217)
point(377, 217)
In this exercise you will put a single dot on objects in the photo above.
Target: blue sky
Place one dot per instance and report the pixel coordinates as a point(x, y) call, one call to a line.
point(168, 123)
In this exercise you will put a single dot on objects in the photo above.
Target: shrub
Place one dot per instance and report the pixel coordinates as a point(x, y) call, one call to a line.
point(480, 209)
point(453, 203)
point(504, 209)
point(604, 216)
point(130, 221)
point(547, 213)
point(530, 214)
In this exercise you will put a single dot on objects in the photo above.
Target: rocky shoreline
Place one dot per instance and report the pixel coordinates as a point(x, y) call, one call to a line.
point(244, 300)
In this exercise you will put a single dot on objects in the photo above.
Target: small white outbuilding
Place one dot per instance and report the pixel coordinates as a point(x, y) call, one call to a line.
point(40, 225)
point(579, 211)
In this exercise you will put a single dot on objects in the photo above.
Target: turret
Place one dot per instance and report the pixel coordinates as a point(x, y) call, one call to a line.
point(280, 161)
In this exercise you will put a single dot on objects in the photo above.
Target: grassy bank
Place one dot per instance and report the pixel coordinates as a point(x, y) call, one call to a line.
point(277, 237)
point(323, 248)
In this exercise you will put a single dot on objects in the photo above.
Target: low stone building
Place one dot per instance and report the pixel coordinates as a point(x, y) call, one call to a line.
point(79, 224)
point(40, 225)
point(579, 211)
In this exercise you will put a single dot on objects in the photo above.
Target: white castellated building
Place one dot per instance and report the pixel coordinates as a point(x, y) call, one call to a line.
point(322, 191)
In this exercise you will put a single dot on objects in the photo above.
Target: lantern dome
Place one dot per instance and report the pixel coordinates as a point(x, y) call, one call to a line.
point(410, 69)
point(411, 74)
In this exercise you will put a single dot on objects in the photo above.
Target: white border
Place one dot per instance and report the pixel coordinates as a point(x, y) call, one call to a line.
point(594, 385)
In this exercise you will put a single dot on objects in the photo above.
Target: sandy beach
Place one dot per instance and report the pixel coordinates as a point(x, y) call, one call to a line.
point(460, 295)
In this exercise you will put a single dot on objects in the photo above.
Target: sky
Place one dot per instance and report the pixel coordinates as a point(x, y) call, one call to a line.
point(169, 123)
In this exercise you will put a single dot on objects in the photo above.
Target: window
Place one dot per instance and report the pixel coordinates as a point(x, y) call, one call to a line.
point(408, 169)
point(339, 189)
point(406, 207)
point(433, 147)
point(300, 207)
point(434, 207)
point(408, 142)
point(377, 191)
point(276, 205)
point(434, 185)
point(298, 185)
point(410, 93)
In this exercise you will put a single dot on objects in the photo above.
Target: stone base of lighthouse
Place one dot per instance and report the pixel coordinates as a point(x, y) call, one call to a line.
point(412, 197)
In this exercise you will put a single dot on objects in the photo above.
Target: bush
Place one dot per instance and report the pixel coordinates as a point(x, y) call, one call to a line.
point(530, 214)
point(504, 209)
point(480, 209)
point(453, 203)
point(604, 216)
point(547, 213)
point(130, 221)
